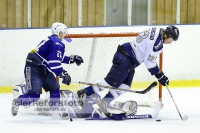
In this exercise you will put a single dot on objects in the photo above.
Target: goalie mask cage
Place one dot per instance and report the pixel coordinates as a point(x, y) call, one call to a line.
point(97, 51)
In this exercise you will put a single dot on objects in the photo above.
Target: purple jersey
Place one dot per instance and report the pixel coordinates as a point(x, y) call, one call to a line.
point(52, 53)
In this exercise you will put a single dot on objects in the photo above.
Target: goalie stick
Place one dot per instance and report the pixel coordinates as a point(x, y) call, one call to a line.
point(146, 116)
point(151, 86)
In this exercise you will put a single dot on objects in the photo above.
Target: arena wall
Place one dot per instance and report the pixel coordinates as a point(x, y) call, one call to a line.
point(180, 59)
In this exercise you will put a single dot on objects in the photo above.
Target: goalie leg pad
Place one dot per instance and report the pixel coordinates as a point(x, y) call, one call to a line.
point(101, 108)
point(72, 106)
point(118, 111)
point(18, 90)
point(127, 108)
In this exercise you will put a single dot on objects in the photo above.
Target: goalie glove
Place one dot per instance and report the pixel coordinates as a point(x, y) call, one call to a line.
point(66, 77)
point(76, 59)
point(162, 79)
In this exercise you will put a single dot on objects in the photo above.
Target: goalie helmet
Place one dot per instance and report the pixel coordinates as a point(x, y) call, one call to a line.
point(172, 31)
point(57, 27)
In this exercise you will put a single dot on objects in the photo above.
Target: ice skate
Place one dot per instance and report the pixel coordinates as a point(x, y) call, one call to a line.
point(15, 107)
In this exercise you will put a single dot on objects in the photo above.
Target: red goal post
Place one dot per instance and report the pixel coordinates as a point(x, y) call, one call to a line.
point(125, 34)
point(111, 36)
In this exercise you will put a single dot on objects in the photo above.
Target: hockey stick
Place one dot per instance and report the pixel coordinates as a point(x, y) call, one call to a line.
point(185, 117)
point(151, 86)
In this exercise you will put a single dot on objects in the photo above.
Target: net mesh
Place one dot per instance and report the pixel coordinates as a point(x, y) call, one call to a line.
point(98, 53)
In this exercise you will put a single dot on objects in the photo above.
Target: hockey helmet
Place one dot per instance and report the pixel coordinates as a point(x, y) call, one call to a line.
point(57, 27)
point(172, 31)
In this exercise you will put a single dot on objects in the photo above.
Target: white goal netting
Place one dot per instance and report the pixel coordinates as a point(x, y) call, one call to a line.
point(98, 53)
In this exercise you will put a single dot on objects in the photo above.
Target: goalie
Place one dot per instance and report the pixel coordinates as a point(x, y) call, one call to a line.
point(72, 107)
point(117, 110)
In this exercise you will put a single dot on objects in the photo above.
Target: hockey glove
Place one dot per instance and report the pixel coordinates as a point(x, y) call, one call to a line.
point(66, 77)
point(162, 79)
point(76, 59)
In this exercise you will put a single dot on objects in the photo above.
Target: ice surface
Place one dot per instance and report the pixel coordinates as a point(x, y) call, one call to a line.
point(187, 100)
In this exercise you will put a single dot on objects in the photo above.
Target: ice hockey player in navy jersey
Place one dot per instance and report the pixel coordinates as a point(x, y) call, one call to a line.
point(42, 67)
point(144, 49)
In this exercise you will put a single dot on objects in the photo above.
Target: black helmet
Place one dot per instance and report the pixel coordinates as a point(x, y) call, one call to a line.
point(172, 31)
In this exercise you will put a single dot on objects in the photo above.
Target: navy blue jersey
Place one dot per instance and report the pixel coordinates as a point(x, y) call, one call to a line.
point(52, 53)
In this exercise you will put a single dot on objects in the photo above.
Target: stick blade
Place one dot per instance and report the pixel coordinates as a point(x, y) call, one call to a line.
point(185, 117)
point(151, 86)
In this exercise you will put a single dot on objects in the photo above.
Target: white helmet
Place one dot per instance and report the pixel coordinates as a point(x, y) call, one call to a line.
point(57, 27)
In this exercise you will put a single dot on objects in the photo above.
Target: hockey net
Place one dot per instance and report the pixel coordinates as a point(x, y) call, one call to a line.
point(97, 51)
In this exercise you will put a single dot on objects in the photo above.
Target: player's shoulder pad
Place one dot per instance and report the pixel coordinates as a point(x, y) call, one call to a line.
point(158, 45)
point(56, 42)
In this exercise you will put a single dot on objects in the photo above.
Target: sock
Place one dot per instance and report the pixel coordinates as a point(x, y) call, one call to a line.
point(55, 98)
point(89, 90)
point(108, 97)
point(27, 99)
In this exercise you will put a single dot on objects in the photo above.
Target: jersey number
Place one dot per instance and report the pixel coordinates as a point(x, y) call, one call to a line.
point(142, 36)
point(59, 54)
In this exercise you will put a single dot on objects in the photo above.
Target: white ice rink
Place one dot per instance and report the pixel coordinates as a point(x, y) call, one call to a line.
point(187, 100)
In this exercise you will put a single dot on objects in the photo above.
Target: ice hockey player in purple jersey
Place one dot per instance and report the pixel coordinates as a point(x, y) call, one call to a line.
point(42, 67)
point(145, 48)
